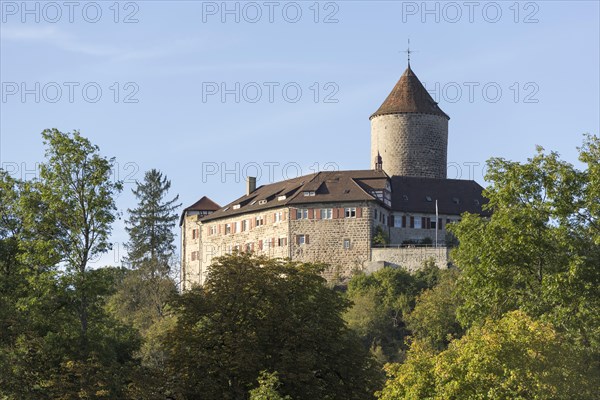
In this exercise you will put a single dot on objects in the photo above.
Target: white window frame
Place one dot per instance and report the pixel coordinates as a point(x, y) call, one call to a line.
point(326, 213)
point(350, 212)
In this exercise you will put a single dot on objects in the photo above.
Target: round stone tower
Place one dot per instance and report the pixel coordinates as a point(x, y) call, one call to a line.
point(410, 132)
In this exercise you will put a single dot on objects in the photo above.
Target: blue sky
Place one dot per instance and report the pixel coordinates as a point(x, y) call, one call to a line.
point(144, 80)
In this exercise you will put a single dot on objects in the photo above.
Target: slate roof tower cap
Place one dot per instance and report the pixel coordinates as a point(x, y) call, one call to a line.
point(409, 96)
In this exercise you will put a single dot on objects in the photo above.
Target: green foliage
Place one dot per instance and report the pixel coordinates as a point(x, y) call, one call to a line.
point(433, 320)
point(256, 314)
point(57, 341)
point(380, 238)
point(538, 252)
point(513, 358)
point(380, 302)
point(267, 388)
point(150, 224)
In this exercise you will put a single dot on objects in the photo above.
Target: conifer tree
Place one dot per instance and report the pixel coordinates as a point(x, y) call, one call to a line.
point(150, 225)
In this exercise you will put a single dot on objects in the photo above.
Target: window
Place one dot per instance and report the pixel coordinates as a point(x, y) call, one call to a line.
point(428, 198)
point(432, 225)
point(309, 193)
point(456, 200)
point(236, 206)
point(212, 230)
point(282, 197)
point(375, 214)
point(195, 233)
point(227, 228)
point(244, 225)
point(236, 227)
point(282, 242)
point(229, 249)
point(398, 222)
point(346, 244)
point(278, 216)
point(301, 239)
point(249, 247)
point(350, 212)
point(417, 224)
point(326, 213)
point(259, 220)
point(302, 213)
point(194, 255)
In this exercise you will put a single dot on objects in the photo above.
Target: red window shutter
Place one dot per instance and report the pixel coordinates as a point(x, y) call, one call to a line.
point(293, 213)
point(284, 217)
point(252, 247)
point(285, 241)
point(423, 222)
point(272, 242)
point(306, 239)
point(412, 222)
point(391, 221)
point(404, 221)
point(260, 245)
point(317, 213)
point(341, 213)
point(428, 223)
point(439, 224)
point(358, 212)
point(311, 213)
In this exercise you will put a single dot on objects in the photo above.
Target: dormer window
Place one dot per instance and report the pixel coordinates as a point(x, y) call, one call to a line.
point(309, 193)
point(456, 200)
point(428, 198)
point(404, 197)
point(236, 207)
point(282, 197)
point(261, 202)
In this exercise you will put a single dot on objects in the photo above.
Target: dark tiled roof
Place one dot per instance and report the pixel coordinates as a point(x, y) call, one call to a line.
point(409, 96)
point(331, 186)
point(454, 196)
point(204, 204)
point(409, 194)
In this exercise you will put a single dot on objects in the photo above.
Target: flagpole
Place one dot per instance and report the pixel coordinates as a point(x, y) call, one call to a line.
point(437, 221)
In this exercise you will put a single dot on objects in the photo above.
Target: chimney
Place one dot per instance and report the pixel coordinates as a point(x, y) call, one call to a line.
point(250, 184)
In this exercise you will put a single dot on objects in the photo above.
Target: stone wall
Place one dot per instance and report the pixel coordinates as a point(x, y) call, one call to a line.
point(328, 236)
point(411, 144)
point(409, 258)
point(271, 238)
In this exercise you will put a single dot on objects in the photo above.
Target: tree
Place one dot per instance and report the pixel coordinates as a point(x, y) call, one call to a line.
point(150, 225)
point(539, 251)
point(380, 302)
point(433, 319)
point(513, 358)
point(142, 296)
point(77, 188)
point(267, 388)
point(255, 314)
point(59, 343)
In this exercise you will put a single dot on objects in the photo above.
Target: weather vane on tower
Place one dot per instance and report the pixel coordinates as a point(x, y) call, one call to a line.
point(408, 52)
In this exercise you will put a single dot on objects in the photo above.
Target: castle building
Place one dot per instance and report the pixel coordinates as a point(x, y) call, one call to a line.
point(393, 214)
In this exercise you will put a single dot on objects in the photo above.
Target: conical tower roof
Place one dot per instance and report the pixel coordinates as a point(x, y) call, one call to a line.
point(409, 96)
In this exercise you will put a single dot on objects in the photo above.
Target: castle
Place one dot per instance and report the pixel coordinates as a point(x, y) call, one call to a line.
point(352, 220)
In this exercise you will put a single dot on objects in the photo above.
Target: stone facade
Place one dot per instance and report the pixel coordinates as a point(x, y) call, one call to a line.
point(411, 259)
point(411, 144)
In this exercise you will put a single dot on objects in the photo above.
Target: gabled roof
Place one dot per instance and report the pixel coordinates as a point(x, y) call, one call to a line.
point(204, 204)
point(328, 187)
point(454, 196)
point(409, 96)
